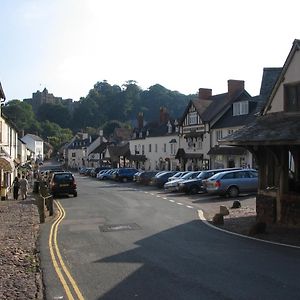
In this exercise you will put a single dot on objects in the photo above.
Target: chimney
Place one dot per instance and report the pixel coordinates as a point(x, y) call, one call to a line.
point(140, 120)
point(204, 94)
point(163, 115)
point(235, 86)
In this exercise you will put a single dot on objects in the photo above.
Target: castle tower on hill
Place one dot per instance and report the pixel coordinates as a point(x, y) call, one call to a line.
point(39, 98)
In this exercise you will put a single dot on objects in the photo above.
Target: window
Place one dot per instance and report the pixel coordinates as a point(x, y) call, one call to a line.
point(219, 135)
point(230, 131)
point(150, 147)
point(73, 154)
point(292, 97)
point(173, 149)
point(155, 147)
point(199, 145)
point(165, 147)
point(136, 149)
point(143, 149)
point(241, 108)
point(192, 118)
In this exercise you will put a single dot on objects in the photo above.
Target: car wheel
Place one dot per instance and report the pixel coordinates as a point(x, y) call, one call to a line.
point(194, 190)
point(75, 194)
point(233, 191)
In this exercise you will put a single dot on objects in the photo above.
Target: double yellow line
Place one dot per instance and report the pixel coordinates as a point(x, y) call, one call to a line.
point(62, 272)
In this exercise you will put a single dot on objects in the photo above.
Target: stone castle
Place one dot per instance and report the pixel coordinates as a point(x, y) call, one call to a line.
point(39, 98)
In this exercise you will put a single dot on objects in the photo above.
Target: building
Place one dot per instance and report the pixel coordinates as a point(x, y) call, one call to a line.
point(36, 145)
point(153, 146)
point(274, 139)
point(242, 111)
point(44, 97)
point(196, 134)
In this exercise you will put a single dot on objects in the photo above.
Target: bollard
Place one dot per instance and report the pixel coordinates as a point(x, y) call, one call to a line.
point(41, 208)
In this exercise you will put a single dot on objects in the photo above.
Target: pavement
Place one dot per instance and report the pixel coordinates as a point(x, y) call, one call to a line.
point(20, 274)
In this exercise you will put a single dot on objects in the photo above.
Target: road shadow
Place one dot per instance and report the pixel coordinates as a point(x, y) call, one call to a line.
point(186, 262)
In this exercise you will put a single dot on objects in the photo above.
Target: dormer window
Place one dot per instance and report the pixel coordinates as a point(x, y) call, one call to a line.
point(292, 97)
point(240, 108)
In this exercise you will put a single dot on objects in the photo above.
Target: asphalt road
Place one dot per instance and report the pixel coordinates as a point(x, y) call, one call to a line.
point(120, 241)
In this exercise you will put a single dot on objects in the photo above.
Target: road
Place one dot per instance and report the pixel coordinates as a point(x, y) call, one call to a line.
point(121, 241)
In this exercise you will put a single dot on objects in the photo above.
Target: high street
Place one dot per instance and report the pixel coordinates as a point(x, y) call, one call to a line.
point(121, 241)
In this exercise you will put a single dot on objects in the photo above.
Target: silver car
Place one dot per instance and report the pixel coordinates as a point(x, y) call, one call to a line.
point(232, 183)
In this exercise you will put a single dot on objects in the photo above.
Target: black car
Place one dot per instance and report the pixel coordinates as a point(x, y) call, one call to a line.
point(193, 186)
point(63, 183)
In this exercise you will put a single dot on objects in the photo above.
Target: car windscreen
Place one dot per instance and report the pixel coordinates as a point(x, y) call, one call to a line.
point(63, 177)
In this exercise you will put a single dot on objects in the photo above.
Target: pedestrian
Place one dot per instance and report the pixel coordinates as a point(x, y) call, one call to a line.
point(23, 187)
point(16, 187)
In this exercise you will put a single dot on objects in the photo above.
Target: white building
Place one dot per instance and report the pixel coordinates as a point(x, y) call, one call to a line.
point(36, 145)
point(154, 146)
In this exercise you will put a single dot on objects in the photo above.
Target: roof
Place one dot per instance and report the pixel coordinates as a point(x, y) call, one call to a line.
point(295, 47)
point(271, 129)
point(100, 148)
point(156, 129)
point(34, 137)
point(79, 143)
point(256, 103)
point(2, 95)
point(182, 154)
point(228, 120)
point(118, 150)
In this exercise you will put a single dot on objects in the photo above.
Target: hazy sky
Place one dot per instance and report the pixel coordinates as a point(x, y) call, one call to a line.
point(69, 45)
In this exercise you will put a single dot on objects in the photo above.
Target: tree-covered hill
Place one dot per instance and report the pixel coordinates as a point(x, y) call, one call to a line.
point(106, 106)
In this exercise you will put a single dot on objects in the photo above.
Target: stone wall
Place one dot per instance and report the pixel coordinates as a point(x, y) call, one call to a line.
point(266, 209)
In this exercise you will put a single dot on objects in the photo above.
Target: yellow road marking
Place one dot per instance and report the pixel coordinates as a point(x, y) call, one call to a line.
point(72, 281)
point(61, 264)
point(55, 264)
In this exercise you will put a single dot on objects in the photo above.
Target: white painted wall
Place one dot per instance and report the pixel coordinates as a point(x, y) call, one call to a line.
point(292, 75)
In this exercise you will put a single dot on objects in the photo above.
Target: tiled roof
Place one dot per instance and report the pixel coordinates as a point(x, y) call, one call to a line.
point(100, 148)
point(271, 129)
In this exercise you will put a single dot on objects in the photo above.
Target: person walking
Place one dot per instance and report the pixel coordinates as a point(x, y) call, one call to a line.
point(16, 187)
point(24, 187)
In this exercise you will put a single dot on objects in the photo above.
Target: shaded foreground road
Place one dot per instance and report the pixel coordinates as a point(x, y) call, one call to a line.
point(121, 243)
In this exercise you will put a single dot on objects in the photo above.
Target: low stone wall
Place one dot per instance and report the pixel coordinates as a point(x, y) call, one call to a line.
point(290, 209)
point(266, 208)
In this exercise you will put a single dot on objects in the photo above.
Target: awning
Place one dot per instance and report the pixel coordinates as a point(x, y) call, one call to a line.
point(137, 157)
point(182, 154)
point(6, 164)
point(226, 151)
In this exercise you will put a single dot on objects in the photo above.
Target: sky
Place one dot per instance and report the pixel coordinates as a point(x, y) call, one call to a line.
point(69, 45)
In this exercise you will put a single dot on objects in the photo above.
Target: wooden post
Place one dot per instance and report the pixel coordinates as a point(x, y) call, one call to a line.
point(41, 208)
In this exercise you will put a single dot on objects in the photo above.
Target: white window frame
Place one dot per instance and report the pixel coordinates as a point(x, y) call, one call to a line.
point(240, 108)
point(219, 135)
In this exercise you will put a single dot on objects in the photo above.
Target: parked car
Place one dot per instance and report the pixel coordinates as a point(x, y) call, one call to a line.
point(178, 175)
point(145, 177)
point(82, 170)
point(172, 186)
point(106, 174)
point(161, 178)
point(95, 171)
point(232, 183)
point(99, 175)
point(63, 183)
point(195, 185)
point(124, 174)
